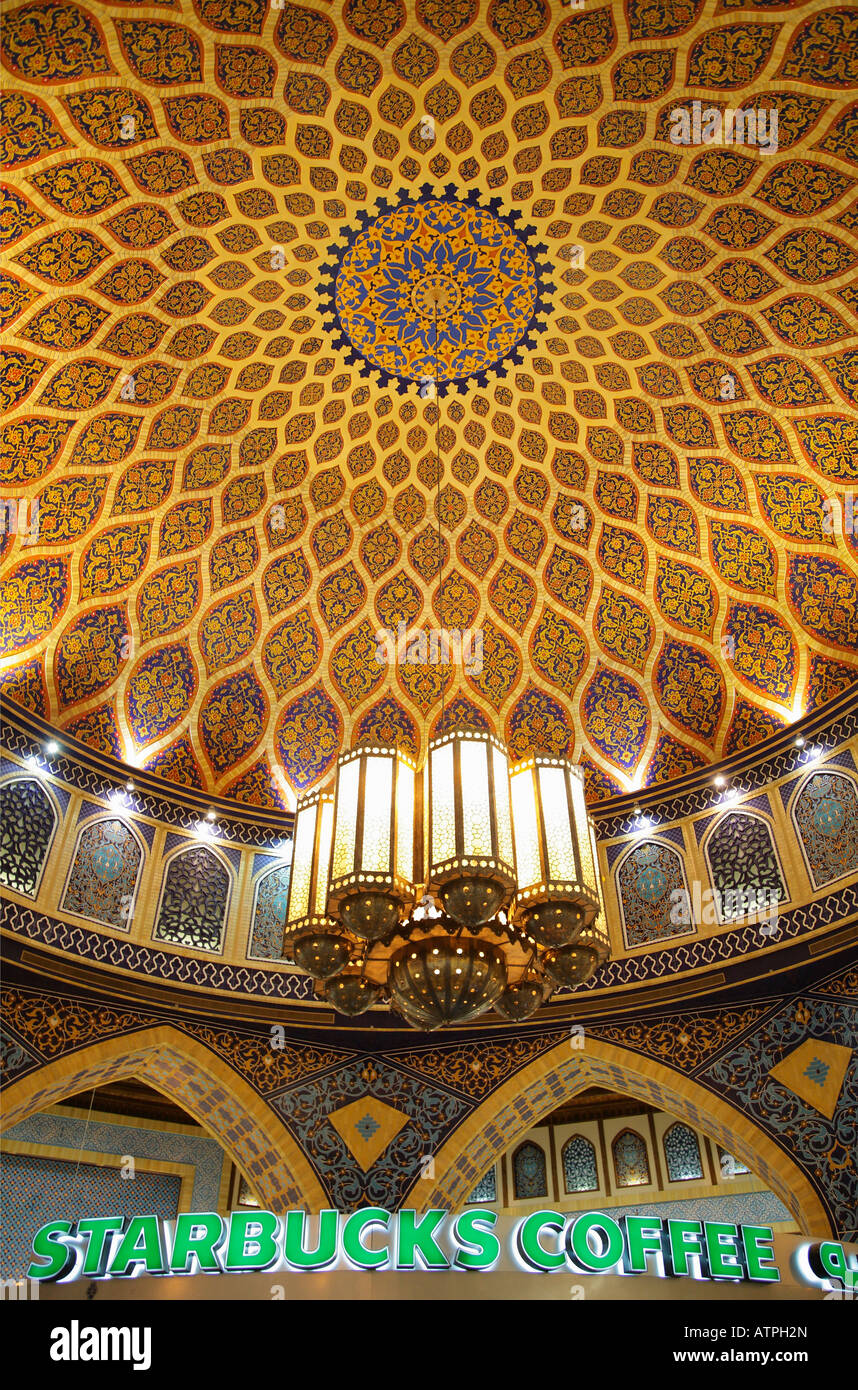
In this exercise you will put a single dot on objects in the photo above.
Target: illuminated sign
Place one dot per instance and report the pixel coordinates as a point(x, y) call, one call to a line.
point(373, 1239)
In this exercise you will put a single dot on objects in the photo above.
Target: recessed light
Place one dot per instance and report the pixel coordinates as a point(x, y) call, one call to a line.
point(799, 740)
point(719, 781)
point(52, 748)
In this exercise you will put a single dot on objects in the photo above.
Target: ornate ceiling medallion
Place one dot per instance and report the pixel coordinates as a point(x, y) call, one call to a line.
point(436, 289)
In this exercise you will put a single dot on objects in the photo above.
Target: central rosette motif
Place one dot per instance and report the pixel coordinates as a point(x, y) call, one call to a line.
point(436, 289)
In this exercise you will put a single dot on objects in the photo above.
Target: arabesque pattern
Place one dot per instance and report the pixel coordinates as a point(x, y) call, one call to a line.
point(631, 509)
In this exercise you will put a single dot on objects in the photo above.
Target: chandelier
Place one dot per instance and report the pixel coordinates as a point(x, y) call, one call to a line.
point(445, 889)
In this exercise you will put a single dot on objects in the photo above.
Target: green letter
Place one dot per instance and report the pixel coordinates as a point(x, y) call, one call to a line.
point(679, 1247)
point(484, 1244)
point(579, 1248)
point(152, 1254)
point(527, 1240)
point(354, 1250)
point(723, 1264)
point(642, 1234)
point(99, 1229)
point(266, 1252)
point(827, 1260)
point(51, 1243)
point(186, 1244)
point(326, 1250)
point(415, 1237)
point(757, 1241)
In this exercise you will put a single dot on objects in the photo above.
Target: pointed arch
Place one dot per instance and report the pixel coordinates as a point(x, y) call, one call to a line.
point(104, 894)
point(29, 820)
point(652, 891)
point(824, 814)
point(579, 1165)
point(529, 1172)
point(203, 928)
point(268, 913)
point(682, 1154)
point(203, 1084)
point(630, 1156)
point(743, 863)
point(523, 1102)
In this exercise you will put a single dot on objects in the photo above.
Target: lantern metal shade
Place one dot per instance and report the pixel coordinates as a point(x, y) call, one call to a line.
point(321, 954)
point(446, 979)
point(557, 893)
point(374, 861)
point(469, 846)
point(351, 993)
point(520, 1000)
point(573, 965)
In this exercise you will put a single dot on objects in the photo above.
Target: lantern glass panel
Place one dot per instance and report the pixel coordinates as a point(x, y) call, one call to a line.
point(476, 807)
point(443, 808)
point(596, 881)
point(528, 864)
point(347, 809)
point(405, 821)
point(378, 795)
point(560, 849)
point(582, 830)
point(302, 862)
point(326, 833)
point(502, 807)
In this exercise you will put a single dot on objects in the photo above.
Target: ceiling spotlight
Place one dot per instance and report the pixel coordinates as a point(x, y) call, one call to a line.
point(210, 815)
point(719, 781)
point(637, 810)
point(799, 741)
point(52, 748)
point(129, 785)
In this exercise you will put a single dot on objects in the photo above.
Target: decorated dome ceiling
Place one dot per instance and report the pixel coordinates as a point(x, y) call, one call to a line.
point(326, 320)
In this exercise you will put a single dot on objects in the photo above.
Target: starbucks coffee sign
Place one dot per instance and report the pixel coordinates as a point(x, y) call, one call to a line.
point(371, 1238)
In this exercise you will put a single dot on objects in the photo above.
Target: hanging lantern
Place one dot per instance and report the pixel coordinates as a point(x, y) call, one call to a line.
point(310, 936)
point(446, 979)
point(557, 893)
point(471, 862)
point(373, 861)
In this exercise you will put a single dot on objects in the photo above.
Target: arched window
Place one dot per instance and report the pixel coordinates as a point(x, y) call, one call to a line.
point(631, 1164)
point(682, 1152)
point(194, 900)
point(27, 821)
point(104, 874)
point(580, 1173)
point(744, 866)
point(528, 1172)
point(826, 818)
point(653, 895)
point(486, 1189)
point(269, 914)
